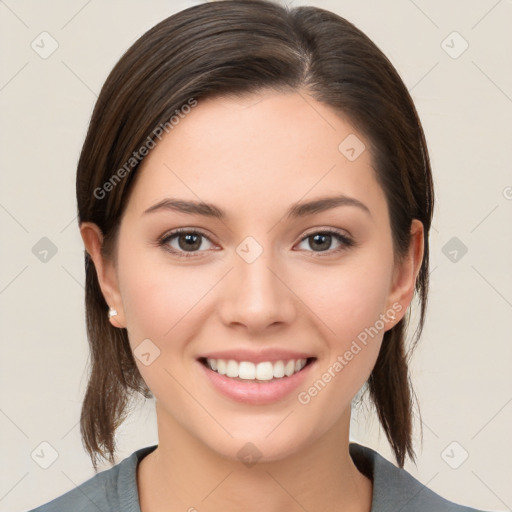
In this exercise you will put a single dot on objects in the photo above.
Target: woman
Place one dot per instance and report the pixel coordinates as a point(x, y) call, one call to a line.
point(255, 198)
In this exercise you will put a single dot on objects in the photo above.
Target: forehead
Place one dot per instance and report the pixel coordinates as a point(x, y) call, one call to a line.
point(265, 148)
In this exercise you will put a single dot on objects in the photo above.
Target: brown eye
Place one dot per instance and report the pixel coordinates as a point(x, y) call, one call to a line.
point(190, 241)
point(322, 241)
point(183, 241)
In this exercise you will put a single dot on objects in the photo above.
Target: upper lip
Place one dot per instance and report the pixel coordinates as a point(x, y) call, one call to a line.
point(272, 355)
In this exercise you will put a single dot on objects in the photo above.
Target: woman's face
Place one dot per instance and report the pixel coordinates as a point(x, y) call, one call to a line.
point(256, 284)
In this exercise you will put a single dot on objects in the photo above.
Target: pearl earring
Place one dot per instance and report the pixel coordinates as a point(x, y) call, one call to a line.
point(111, 312)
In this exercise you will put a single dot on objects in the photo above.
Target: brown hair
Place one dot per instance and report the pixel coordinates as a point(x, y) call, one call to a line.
point(236, 47)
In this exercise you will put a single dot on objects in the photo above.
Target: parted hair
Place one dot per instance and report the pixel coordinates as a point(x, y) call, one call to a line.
point(236, 47)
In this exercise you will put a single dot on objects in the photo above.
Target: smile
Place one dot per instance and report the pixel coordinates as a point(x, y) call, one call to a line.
point(262, 371)
point(253, 383)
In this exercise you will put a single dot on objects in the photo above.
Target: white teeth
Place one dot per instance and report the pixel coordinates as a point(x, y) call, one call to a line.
point(289, 369)
point(279, 369)
point(221, 365)
point(246, 370)
point(261, 371)
point(232, 368)
point(264, 371)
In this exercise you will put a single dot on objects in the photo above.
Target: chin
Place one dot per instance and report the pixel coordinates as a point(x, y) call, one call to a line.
point(257, 446)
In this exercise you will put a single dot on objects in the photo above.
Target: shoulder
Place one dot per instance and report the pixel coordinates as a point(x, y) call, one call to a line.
point(114, 489)
point(396, 489)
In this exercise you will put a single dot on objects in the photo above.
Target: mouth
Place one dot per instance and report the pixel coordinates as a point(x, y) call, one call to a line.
point(261, 372)
point(257, 382)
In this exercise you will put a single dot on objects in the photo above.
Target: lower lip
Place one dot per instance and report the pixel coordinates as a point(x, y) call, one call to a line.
point(256, 393)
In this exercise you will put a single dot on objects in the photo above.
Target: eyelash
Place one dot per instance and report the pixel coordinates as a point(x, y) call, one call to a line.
point(343, 239)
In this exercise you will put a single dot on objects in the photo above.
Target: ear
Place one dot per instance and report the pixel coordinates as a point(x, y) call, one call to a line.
point(105, 270)
point(405, 274)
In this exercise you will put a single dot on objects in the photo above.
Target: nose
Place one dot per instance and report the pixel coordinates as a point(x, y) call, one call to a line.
point(257, 296)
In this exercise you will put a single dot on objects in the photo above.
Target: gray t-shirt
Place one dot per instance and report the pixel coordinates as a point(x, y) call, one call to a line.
point(115, 489)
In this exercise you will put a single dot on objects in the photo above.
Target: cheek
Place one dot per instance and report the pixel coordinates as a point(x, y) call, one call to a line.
point(355, 304)
point(161, 303)
point(159, 299)
point(351, 308)
point(349, 302)
point(350, 298)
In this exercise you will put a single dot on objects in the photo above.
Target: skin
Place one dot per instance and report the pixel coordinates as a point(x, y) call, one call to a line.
point(254, 157)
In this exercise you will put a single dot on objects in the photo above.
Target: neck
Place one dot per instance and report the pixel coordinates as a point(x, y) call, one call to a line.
point(184, 474)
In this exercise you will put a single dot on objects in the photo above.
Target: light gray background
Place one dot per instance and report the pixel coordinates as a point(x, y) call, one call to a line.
point(462, 368)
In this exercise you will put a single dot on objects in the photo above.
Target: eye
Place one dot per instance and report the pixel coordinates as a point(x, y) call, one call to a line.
point(322, 240)
point(187, 243)
point(184, 242)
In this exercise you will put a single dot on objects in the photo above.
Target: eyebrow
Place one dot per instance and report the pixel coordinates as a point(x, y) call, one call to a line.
point(295, 211)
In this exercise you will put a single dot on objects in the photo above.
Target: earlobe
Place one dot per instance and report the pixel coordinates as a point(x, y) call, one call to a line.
point(405, 274)
point(112, 313)
point(105, 270)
